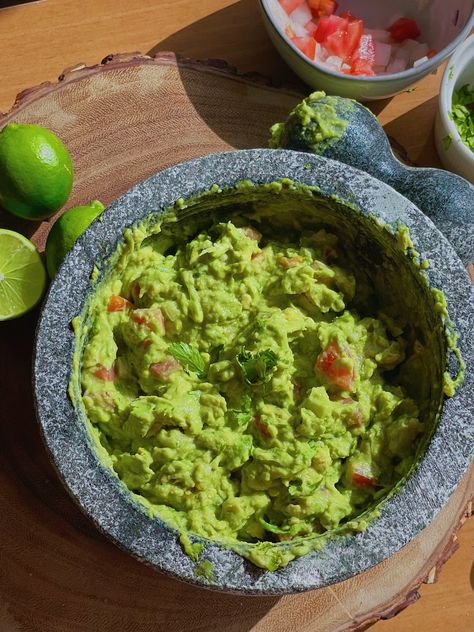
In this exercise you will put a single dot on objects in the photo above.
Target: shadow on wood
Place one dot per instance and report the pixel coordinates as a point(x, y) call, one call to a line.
point(54, 560)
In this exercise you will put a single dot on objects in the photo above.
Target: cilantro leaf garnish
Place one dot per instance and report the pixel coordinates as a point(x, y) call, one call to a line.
point(257, 368)
point(189, 357)
point(214, 353)
point(242, 417)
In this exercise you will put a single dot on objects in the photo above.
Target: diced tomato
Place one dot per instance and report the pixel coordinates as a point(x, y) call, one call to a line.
point(103, 373)
point(138, 317)
point(328, 26)
point(297, 391)
point(259, 257)
point(292, 262)
point(262, 427)
point(362, 67)
point(147, 342)
point(163, 369)
point(361, 480)
point(354, 31)
point(307, 45)
point(161, 319)
point(117, 303)
point(404, 28)
point(431, 53)
point(330, 365)
point(322, 7)
point(290, 5)
point(347, 15)
point(153, 319)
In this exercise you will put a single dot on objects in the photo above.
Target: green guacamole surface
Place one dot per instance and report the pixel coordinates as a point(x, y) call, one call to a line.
point(236, 391)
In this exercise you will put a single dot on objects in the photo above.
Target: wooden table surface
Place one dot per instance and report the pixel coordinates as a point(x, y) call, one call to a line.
point(38, 40)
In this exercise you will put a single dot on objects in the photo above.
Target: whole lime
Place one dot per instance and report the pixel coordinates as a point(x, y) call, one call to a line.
point(65, 232)
point(35, 171)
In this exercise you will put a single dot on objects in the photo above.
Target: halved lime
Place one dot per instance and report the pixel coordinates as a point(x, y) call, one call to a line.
point(22, 275)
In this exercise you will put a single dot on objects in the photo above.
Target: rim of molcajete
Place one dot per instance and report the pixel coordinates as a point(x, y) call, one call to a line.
point(99, 492)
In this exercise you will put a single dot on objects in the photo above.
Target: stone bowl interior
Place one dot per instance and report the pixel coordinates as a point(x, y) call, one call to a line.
point(352, 205)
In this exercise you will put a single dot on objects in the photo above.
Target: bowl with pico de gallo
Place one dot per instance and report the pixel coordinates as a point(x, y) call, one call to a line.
point(363, 49)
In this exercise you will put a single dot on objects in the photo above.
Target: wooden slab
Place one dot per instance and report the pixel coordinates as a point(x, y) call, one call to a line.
point(123, 120)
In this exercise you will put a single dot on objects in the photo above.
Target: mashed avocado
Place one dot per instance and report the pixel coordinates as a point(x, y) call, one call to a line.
point(234, 388)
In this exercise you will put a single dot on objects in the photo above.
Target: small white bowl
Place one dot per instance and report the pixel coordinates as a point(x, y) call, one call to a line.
point(444, 25)
point(457, 156)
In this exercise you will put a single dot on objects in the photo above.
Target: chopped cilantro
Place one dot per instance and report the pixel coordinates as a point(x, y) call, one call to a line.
point(214, 353)
point(462, 113)
point(451, 72)
point(189, 357)
point(257, 368)
point(242, 417)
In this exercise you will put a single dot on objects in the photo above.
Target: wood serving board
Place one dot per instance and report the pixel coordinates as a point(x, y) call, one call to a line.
point(123, 120)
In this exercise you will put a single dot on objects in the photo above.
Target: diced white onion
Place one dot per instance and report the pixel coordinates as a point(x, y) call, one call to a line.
point(418, 62)
point(379, 35)
point(301, 15)
point(397, 65)
point(382, 53)
point(298, 30)
point(419, 51)
point(334, 62)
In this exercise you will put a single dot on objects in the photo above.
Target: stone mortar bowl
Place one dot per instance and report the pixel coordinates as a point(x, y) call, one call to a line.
point(443, 458)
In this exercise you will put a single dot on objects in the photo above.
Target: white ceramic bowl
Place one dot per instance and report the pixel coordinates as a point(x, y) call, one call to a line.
point(455, 156)
point(444, 25)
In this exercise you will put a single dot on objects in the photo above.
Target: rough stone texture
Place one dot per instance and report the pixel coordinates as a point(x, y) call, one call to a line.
point(104, 498)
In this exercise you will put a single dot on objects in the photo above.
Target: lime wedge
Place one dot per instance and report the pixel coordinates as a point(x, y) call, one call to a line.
point(22, 275)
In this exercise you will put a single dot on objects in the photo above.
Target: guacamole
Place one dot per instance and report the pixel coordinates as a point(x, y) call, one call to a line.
point(236, 391)
point(235, 386)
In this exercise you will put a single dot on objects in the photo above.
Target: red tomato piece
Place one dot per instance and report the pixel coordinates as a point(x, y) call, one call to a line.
point(361, 480)
point(297, 391)
point(163, 369)
point(354, 31)
point(105, 374)
point(322, 7)
point(290, 5)
point(138, 317)
point(362, 67)
point(292, 262)
point(117, 303)
point(262, 427)
point(307, 45)
point(329, 364)
point(259, 257)
point(431, 53)
point(347, 15)
point(404, 28)
point(328, 26)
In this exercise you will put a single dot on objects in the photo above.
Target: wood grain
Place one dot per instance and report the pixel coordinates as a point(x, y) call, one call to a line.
point(122, 121)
